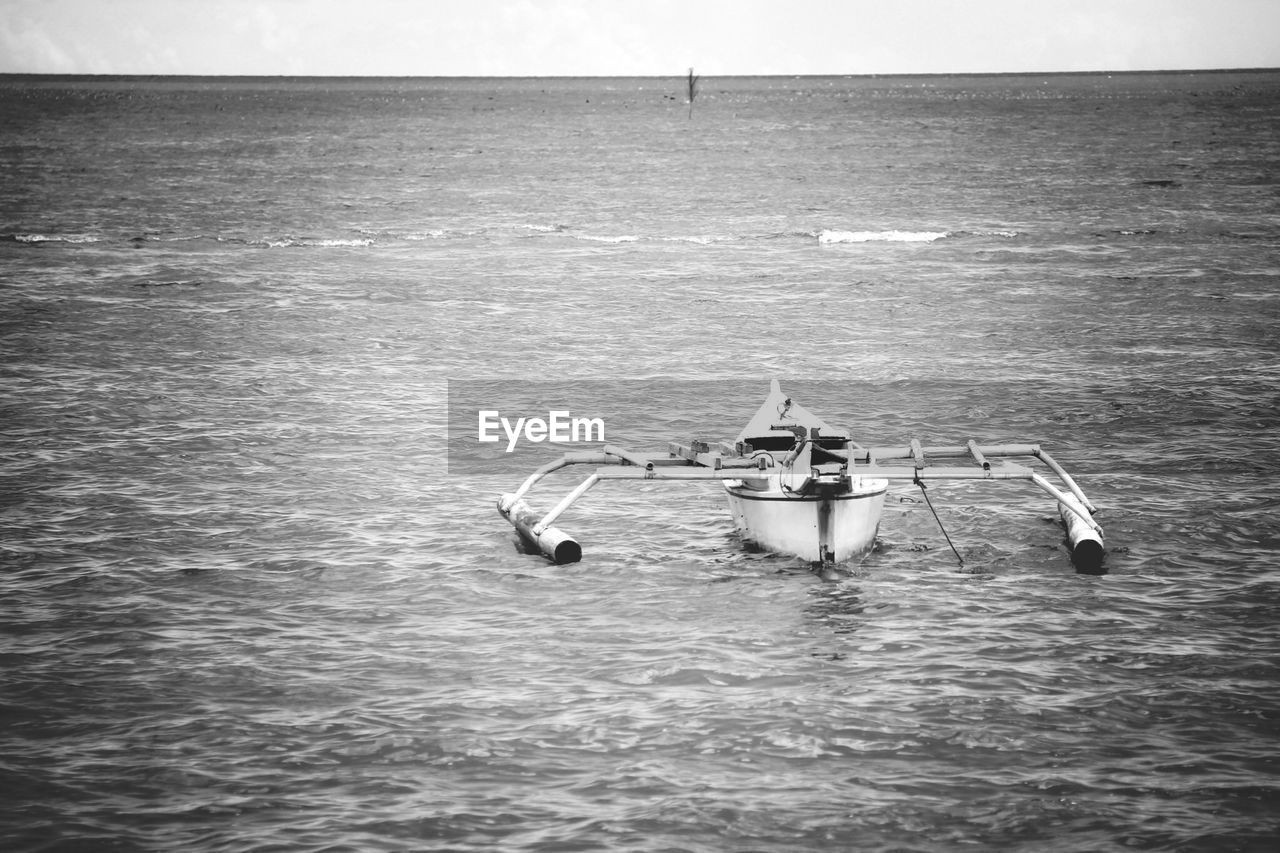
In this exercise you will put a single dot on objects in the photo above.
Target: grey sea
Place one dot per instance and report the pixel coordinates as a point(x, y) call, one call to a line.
point(255, 593)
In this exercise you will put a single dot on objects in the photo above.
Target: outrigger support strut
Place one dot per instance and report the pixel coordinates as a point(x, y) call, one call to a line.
point(697, 462)
point(557, 545)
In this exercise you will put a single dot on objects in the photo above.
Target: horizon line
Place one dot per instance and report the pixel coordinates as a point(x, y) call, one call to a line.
point(153, 75)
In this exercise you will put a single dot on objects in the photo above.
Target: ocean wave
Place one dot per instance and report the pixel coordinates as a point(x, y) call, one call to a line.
point(697, 239)
point(1007, 233)
point(313, 242)
point(366, 238)
point(830, 236)
point(701, 240)
point(179, 238)
point(53, 238)
point(596, 238)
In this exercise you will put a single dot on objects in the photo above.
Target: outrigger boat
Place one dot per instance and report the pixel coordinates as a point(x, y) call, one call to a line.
point(798, 487)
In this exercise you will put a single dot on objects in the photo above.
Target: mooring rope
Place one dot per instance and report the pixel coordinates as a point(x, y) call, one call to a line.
point(925, 492)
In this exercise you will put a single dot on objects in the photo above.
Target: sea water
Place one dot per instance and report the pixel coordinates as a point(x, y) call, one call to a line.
point(251, 601)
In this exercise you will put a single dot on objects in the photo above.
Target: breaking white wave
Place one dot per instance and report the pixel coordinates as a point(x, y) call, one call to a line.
point(621, 238)
point(701, 240)
point(697, 239)
point(1007, 233)
point(829, 236)
point(370, 238)
point(56, 238)
point(314, 242)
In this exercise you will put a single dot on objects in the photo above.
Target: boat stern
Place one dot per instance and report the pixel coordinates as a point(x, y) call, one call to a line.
point(832, 522)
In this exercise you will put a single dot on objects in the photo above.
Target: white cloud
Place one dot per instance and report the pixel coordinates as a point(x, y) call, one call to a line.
point(631, 37)
point(26, 46)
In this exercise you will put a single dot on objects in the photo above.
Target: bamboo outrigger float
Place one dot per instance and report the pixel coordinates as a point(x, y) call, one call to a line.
point(796, 486)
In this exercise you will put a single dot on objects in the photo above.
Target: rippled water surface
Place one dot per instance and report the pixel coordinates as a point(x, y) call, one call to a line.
point(246, 606)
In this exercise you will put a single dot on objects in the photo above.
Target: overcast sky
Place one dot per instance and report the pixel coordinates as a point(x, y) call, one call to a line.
point(632, 37)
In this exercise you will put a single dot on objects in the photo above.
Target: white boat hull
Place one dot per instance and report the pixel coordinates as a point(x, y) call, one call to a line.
point(834, 528)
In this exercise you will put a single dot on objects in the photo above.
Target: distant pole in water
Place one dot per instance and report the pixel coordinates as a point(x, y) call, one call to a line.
point(693, 90)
